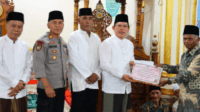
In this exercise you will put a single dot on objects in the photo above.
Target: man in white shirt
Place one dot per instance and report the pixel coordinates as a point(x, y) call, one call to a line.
point(15, 66)
point(176, 89)
point(84, 65)
point(117, 60)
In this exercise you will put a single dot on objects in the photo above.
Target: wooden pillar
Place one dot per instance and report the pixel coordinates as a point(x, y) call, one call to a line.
point(6, 8)
point(123, 7)
point(141, 24)
point(3, 29)
point(12, 2)
point(76, 15)
point(154, 49)
point(155, 57)
point(86, 3)
point(138, 23)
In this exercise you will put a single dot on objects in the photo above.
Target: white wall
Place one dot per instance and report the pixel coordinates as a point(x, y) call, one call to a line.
point(36, 16)
point(151, 23)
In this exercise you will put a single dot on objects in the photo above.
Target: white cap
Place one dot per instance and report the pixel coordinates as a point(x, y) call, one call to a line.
point(176, 87)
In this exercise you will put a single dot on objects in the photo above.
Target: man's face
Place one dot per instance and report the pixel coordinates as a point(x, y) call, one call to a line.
point(190, 41)
point(155, 95)
point(121, 29)
point(86, 23)
point(56, 26)
point(14, 29)
point(176, 93)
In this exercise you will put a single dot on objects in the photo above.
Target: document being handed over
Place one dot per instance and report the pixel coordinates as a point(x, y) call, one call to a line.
point(146, 73)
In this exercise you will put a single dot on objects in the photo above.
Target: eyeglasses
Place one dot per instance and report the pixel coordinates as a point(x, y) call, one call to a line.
point(124, 26)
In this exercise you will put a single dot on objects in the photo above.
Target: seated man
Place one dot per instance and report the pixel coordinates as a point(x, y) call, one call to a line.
point(176, 89)
point(155, 105)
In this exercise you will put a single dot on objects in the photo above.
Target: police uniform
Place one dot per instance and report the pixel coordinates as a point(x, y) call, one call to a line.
point(50, 61)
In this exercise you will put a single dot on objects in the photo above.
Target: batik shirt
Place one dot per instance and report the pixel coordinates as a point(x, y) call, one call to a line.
point(150, 107)
point(187, 72)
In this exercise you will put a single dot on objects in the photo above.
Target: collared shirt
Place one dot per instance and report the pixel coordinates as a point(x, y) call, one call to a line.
point(83, 59)
point(188, 72)
point(50, 61)
point(115, 55)
point(151, 107)
point(15, 65)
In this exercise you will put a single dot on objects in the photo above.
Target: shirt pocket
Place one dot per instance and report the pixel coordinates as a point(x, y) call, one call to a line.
point(52, 55)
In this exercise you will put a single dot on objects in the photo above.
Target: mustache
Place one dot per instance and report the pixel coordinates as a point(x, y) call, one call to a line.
point(16, 32)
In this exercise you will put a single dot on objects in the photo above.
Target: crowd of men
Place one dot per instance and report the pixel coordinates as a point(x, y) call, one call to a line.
point(88, 58)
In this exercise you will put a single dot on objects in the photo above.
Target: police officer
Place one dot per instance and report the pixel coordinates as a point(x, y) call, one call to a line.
point(50, 66)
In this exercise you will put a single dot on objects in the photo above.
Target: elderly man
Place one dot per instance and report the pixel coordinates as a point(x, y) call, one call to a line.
point(155, 104)
point(15, 66)
point(187, 72)
point(50, 66)
point(117, 59)
point(84, 66)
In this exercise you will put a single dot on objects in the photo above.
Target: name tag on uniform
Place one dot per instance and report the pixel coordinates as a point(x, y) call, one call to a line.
point(53, 46)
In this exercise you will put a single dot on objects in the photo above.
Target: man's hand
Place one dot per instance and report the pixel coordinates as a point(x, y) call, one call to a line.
point(93, 78)
point(163, 82)
point(48, 89)
point(128, 78)
point(158, 65)
point(13, 92)
point(87, 81)
point(50, 92)
point(21, 85)
point(131, 63)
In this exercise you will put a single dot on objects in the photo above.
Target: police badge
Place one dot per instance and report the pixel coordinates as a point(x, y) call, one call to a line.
point(39, 45)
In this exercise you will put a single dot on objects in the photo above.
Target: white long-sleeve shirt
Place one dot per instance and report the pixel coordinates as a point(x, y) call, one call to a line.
point(115, 55)
point(83, 59)
point(175, 106)
point(15, 65)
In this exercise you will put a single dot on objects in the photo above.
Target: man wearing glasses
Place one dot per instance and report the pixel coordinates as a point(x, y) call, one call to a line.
point(117, 60)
